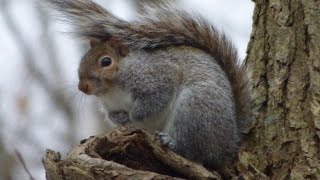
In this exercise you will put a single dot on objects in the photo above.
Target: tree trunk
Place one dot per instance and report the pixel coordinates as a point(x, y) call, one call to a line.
point(284, 142)
point(284, 62)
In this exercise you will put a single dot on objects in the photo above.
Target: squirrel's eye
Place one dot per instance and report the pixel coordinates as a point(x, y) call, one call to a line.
point(106, 61)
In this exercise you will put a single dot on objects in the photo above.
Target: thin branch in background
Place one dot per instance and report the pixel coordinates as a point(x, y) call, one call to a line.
point(7, 162)
point(53, 61)
point(48, 42)
point(57, 96)
point(21, 160)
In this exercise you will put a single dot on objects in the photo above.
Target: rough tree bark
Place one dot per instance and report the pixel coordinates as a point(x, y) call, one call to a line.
point(284, 142)
point(123, 153)
point(284, 62)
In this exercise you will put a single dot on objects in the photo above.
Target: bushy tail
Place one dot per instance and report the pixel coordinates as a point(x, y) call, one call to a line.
point(162, 26)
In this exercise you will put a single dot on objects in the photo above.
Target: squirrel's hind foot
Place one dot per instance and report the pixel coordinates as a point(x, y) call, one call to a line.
point(166, 140)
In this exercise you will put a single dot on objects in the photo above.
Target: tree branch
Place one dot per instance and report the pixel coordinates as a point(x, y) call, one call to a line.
point(124, 153)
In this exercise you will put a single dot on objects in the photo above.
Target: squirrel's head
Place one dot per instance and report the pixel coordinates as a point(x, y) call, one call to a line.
point(98, 68)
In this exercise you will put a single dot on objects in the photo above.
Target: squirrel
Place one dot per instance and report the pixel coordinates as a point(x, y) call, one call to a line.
point(170, 71)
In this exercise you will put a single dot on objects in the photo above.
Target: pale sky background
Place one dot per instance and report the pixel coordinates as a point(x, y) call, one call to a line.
point(44, 125)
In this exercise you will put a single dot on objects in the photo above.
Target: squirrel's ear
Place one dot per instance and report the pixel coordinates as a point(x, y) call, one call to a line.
point(119, 47)
point(123, 50)
point(94, 42)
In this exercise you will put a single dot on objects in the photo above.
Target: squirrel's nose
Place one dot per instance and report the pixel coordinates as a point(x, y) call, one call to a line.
point(84, 86)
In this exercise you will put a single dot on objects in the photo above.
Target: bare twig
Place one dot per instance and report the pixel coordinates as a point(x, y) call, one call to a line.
point(21, 160)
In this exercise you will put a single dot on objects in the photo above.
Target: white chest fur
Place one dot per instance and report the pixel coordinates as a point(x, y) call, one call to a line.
point(117, 99)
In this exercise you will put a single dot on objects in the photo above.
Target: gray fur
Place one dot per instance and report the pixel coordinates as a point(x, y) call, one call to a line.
point(162, 26)
point(182, 77)
point(187, 88)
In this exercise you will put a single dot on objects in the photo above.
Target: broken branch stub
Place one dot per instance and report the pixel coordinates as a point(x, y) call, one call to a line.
point(123, 153)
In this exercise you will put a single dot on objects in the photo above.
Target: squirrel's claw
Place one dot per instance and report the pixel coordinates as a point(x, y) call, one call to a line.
point(165, 139)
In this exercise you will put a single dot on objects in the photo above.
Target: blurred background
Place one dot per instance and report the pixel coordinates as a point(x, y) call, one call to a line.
point(40, 106)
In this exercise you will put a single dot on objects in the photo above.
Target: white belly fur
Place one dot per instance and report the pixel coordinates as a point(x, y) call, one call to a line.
point(116, 99)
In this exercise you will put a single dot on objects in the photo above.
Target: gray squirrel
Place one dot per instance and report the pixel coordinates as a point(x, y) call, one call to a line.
point(170, 71)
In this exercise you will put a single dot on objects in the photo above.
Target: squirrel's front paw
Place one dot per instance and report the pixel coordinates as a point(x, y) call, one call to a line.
point(166, 139)
point(119, 117)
